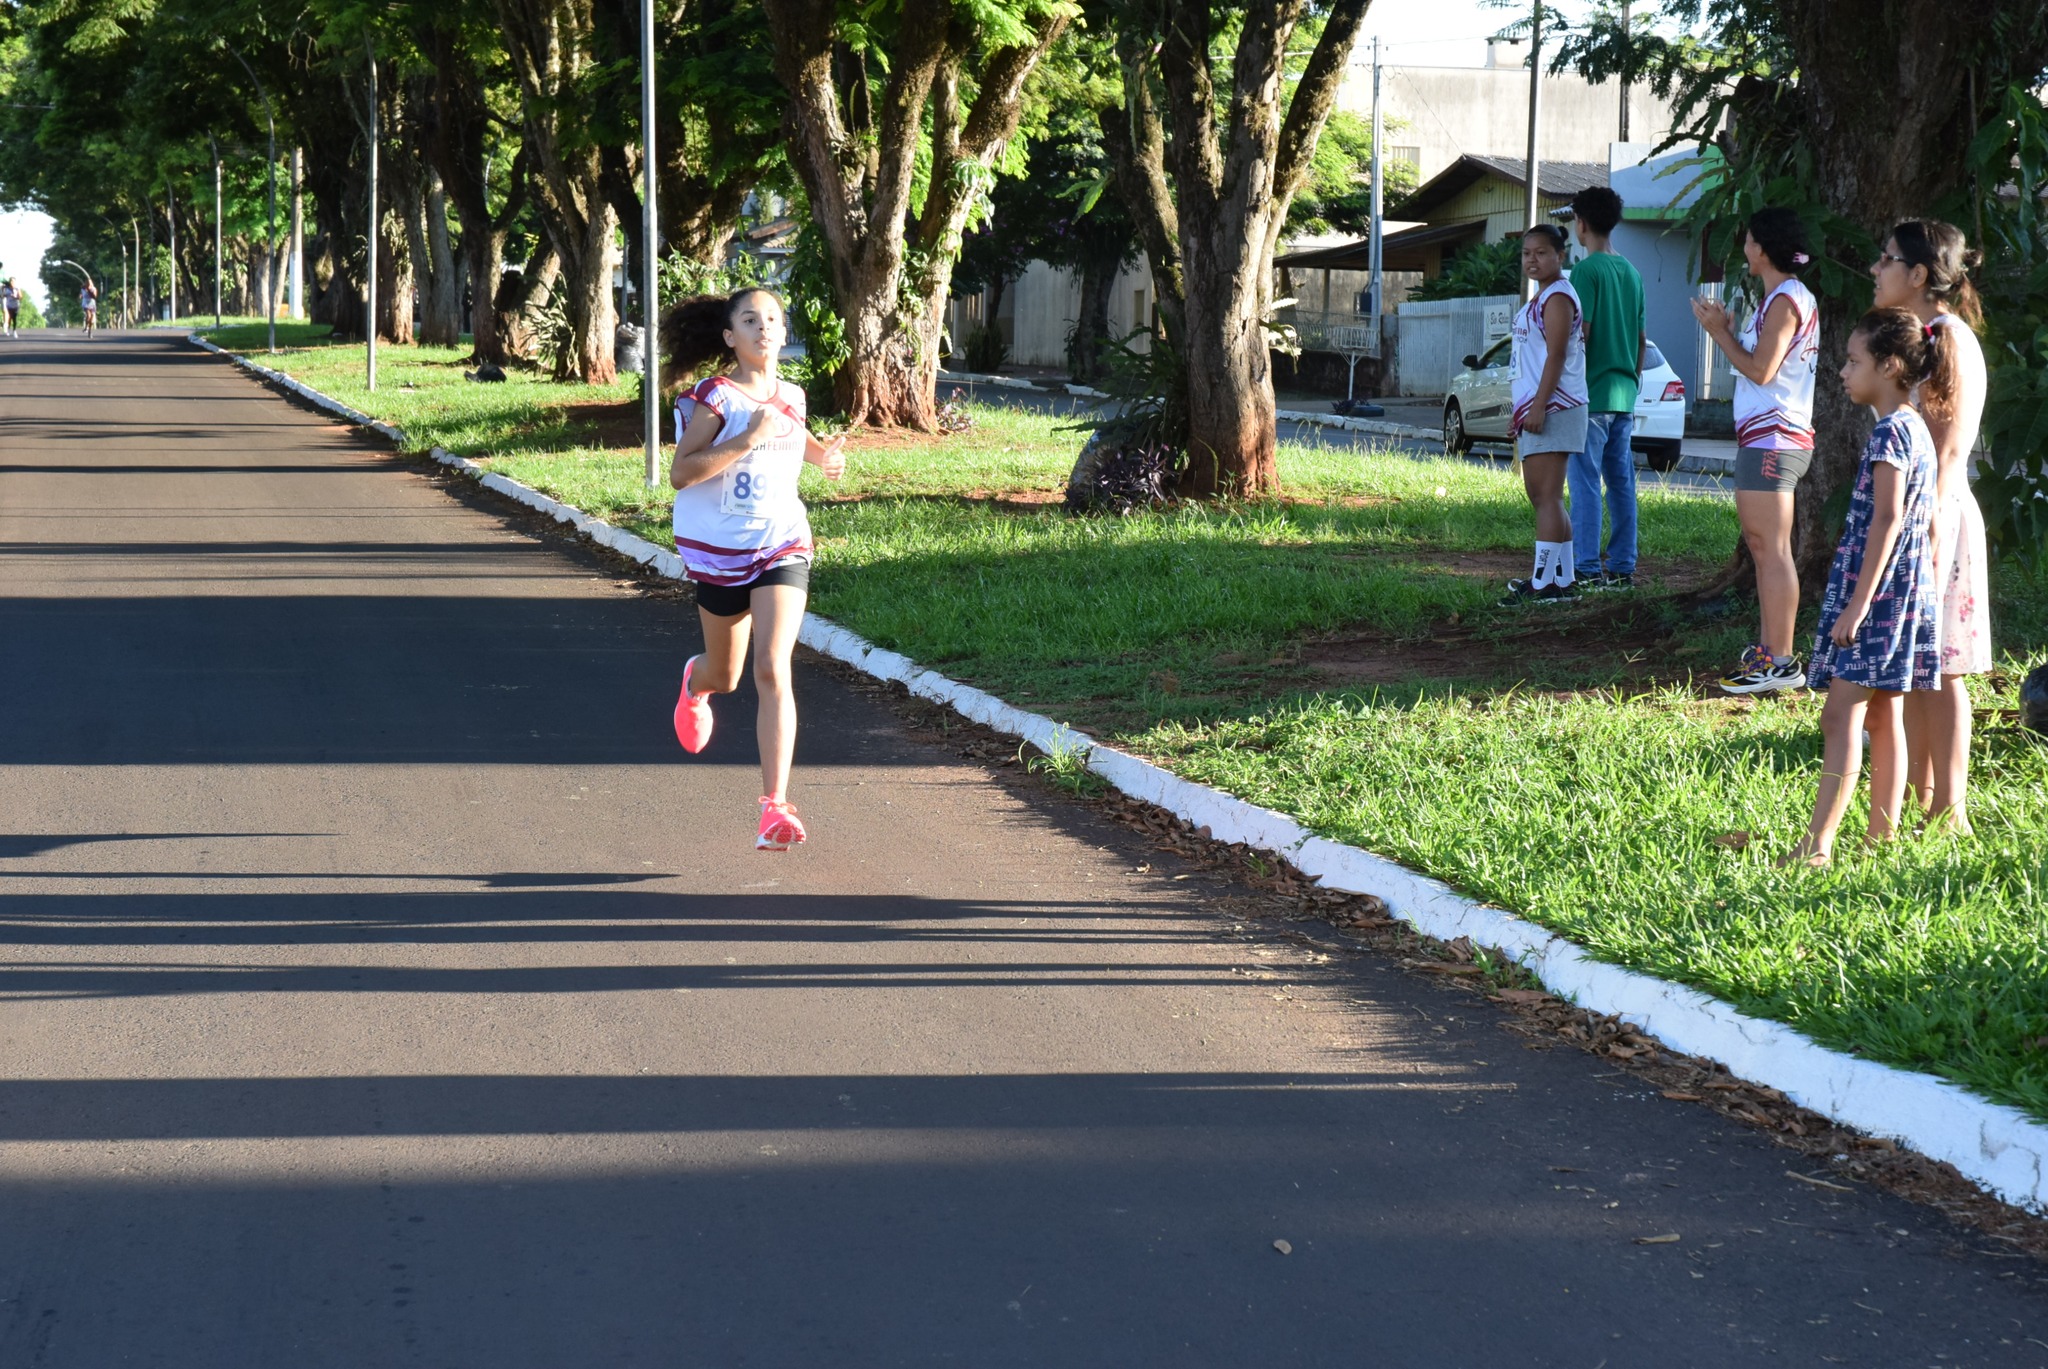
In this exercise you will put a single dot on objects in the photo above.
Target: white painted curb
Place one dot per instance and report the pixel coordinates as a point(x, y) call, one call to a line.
point(1996, 1146)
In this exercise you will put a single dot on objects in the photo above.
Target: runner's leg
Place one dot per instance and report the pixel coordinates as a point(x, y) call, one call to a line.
point(1766, 518)
point(725, 652)
point(780, 611)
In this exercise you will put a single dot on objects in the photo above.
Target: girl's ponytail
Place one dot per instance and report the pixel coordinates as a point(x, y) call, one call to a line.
point(1927, 357)
point(693, 333)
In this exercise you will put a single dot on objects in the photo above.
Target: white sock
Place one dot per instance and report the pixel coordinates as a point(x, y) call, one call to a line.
point(1546, 559)
point(1564, 569)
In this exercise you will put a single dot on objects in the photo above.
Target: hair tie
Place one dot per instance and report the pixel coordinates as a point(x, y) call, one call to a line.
point(1800, 259)
point(1927, 332)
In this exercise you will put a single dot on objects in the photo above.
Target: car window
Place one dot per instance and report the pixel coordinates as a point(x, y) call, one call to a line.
point(1652, 358)
point(1496, 355)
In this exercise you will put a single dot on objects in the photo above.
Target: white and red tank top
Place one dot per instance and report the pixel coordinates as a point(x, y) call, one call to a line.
point(1531, 349)
point(747, 519)
point(1779, 416)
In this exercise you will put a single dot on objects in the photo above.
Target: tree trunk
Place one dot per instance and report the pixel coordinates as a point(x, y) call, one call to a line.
point(857, 154)
point(1209, 200)
point(521, 296)
point(1091, 328)
point(441, 299)
point(551, 47)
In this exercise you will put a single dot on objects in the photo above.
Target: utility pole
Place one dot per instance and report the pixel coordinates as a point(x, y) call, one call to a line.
point(650, 255)
point(135, 315)
point(1532, 168)
point(370, 325)
point(216, 235)
point(1625, 32)
point(298, 249)
point(1379, 224)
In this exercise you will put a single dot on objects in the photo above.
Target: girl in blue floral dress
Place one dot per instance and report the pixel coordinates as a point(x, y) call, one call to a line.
point(1880, 621)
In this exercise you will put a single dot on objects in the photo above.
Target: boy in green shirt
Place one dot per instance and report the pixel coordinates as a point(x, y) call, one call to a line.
point(1610, 294)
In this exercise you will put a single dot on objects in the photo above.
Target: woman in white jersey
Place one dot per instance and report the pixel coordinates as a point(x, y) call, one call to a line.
point(741, 530)
point(1925, 268)
point(1549, 423)
point(89, 307)
point(1774, 360)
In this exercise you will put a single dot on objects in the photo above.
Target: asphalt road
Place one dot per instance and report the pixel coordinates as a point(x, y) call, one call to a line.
point(383, 987)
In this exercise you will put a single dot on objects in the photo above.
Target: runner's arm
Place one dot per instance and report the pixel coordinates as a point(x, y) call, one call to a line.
point(699, 456)
point(828, 457)
point(1773, 339)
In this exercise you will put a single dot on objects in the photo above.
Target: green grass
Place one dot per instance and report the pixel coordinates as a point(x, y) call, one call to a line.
point(1597, 817)
point(1181, 634)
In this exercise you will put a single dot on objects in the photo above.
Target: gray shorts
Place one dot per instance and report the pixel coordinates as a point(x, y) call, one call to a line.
point(1769, 470)
point(1564, 432)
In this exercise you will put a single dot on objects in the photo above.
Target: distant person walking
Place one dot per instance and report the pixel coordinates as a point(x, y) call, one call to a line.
point(1549, 422)
point(1610, 291)
point(89, 306)
point(10, 299)
point(1925, 267)
point(1774, 360)
point(1880, 619)
point(741, 529)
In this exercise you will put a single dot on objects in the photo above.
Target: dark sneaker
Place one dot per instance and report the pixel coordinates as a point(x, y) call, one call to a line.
point(1609, 584)
point(1523, 592)
point(1759, 674)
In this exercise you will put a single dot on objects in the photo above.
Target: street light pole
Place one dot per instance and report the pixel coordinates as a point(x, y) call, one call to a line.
point(216, 235)
point(1531, 166)
point(171, 217)
point(298, 247)
point(1379, 306)
point(650, 255)
point(370, 325)
point(135, 314)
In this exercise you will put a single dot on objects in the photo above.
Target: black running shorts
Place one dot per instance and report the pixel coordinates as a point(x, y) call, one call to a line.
point(730, 601)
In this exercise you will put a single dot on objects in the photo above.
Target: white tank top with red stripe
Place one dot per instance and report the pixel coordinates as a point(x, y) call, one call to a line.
point(747, 519)
point(1531, 349)
point(1779, 416)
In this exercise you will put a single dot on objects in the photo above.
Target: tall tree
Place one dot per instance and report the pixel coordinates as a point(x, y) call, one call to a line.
point(553, 49)
point(897, 114)
point(1210, 148)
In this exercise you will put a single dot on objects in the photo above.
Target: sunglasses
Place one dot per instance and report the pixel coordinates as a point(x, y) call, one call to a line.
point(1884, 257)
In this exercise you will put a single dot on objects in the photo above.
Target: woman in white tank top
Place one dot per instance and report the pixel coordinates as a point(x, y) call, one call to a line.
point(741, 530)
point(1774, 359)
point(1925, 267)
point(1549, 424)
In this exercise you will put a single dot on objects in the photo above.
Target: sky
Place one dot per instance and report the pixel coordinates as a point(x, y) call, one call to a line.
point(24, 237)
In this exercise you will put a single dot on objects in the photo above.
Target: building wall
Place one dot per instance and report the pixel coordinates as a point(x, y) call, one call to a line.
point(1447, 112)
point(1040, 306)
point(1500, 203)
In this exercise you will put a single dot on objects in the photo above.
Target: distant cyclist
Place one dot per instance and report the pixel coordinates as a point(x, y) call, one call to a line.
point(10, 298)
point(89, 305)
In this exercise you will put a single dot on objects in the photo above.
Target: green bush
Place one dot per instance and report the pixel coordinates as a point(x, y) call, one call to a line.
point(984, 350)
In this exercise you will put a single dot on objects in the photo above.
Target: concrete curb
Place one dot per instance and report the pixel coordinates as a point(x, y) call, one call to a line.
point(1996, 1146)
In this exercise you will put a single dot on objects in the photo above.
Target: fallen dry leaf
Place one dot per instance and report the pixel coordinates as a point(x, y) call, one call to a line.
point(1523, 997)
point(1680, 1096)
point(1430, 967)
point(1668, 1238)
point(1285, 1249)
point(1817, 1183)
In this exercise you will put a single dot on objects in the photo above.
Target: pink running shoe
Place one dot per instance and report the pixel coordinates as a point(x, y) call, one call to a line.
point(780, 827)
point(693, 715)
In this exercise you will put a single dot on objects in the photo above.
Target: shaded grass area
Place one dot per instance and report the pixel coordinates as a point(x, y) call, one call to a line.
point(1498, 762)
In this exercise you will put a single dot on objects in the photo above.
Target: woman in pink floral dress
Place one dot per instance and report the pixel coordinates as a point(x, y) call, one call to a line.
point(1925, 268)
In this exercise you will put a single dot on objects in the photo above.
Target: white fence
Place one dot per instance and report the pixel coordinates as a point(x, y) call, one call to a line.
point(1437, 335)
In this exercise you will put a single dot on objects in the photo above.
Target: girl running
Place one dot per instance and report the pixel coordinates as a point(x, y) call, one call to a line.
point(1549, 423)
point(1774, 360)
point(1925, 267)
point(89, 306)
point(1880, 620)
point(741, 530)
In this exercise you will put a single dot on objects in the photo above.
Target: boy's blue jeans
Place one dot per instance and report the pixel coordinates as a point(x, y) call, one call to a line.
point(1609, 459)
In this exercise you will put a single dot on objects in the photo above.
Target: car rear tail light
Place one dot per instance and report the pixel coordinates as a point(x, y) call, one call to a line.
point(1673, 389)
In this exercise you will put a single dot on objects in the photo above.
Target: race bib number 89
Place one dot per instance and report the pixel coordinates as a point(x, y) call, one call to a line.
point(746, 491)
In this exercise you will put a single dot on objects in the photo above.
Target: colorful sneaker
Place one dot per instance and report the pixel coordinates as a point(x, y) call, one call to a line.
point(780, 827)
point(1609, 584)
point(1524, 592)
point(693, 715)
point(1760, 674)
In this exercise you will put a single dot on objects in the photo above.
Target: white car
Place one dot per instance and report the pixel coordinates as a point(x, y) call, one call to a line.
point(1477, 407)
